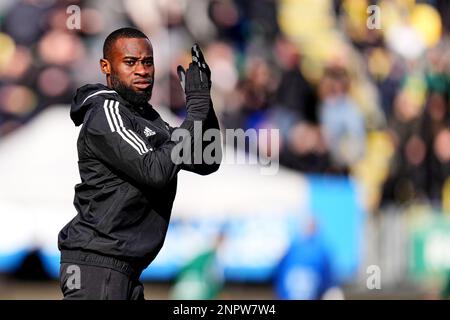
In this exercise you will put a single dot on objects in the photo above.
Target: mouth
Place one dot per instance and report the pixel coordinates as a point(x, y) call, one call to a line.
point(142, 85)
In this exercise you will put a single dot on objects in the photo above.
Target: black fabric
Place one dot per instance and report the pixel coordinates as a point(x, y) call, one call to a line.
point(125, 197)
point(99, 260)
point(99, 283)
point(197, 106)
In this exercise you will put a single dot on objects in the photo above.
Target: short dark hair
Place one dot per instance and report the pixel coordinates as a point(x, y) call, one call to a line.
point(339, 74)
point(120, 33)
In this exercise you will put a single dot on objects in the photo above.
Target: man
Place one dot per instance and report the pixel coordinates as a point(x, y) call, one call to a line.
point(128, 170)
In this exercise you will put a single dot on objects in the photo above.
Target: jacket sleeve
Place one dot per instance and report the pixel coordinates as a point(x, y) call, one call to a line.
point(110, 138)
point(203, 167)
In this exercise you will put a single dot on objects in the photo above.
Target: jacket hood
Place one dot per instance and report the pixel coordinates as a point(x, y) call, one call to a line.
point(84, 99)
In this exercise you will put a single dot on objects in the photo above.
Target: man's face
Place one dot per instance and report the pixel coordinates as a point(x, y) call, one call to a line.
point(132, 69)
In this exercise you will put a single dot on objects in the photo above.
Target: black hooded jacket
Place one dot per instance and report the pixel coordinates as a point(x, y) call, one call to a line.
point(128, 179)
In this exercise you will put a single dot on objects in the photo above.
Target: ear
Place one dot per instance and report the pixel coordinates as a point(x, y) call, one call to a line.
point(105, 66)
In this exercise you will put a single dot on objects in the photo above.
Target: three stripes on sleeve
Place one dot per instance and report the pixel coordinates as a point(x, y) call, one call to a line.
point(111, 108)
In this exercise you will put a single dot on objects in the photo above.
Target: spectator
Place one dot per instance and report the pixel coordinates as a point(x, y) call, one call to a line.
point(340, 119)
point(305, 271)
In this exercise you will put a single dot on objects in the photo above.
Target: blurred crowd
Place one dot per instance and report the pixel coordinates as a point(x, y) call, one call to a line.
point(372, 103)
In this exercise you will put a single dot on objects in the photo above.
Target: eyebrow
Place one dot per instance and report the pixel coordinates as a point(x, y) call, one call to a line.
point(136, 58)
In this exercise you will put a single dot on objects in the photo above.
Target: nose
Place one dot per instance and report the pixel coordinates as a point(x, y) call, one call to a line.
point(141, 69)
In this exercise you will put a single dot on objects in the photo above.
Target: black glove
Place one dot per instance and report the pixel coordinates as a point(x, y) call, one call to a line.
point(196, 83)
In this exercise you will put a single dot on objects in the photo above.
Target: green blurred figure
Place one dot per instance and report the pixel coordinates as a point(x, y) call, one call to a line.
point(445, 291)
point(202, 277)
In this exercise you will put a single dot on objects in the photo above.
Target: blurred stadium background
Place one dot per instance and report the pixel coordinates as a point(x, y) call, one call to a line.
point(363, 188)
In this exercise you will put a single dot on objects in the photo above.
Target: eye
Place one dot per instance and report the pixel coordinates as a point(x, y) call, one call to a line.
point(148, 62)
point(129, 62)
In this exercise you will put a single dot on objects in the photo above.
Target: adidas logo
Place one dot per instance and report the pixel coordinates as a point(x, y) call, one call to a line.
point(149, 132)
